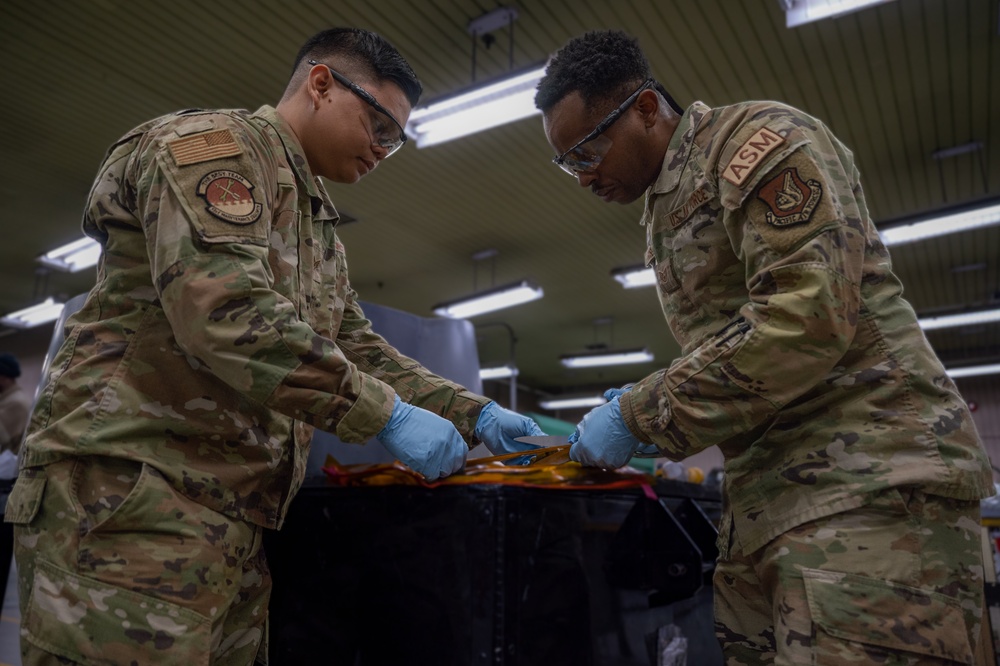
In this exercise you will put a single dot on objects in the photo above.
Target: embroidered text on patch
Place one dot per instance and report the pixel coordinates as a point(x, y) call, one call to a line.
point(750, 155)
point(791, 200)
point(204, 147)
point(228, 196)
point(697, 198)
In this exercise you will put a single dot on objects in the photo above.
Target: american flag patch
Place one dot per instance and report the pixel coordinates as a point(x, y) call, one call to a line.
point(204, 147)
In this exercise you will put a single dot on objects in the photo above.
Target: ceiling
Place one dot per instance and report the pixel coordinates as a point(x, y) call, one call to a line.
point(896, 83)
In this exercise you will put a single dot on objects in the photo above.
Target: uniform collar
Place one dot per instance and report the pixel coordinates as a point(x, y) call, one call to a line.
point(678, 150)
point(322, 207)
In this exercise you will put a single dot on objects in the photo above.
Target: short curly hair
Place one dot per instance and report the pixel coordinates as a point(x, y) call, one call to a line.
point(603, 66)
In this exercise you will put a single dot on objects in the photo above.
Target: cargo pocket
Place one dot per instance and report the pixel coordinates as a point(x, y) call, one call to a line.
point(26, 497)
point(864, 619)
point(94, 623)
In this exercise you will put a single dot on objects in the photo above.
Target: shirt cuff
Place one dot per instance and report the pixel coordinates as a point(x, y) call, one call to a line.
point(370, 412)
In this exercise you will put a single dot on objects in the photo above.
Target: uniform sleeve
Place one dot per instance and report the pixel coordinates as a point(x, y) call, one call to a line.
point(797, 230)
point(207, 224)
point(414, 383)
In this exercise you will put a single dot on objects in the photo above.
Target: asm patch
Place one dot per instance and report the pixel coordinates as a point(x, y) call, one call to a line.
point(791, 200)
point(750, 155)
point(228, 196)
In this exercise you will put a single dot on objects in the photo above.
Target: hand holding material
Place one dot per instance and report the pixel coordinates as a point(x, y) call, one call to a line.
point(497, 427)
point(602, 439)
point(424, 441)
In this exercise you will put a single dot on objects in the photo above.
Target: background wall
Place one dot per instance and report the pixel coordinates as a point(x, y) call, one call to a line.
point(983, 397)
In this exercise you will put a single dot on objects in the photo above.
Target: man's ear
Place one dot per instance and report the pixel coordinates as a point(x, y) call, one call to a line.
point(318, 82)
point(648, 106)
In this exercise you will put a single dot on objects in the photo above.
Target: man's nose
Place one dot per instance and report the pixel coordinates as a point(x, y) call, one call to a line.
point(586, 178)
point(380, 151)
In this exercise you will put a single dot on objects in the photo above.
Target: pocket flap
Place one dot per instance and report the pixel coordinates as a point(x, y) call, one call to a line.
point(890, 615)
point(91, 622)
point(25, 497)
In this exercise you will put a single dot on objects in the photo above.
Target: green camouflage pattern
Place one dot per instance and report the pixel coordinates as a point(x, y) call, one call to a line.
point(211, 348)
point(101, 582)
point(831, 592)
point(801, 359)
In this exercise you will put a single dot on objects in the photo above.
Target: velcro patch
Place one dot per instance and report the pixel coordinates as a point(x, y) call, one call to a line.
point(791, 200)
point(697, 198)
point(228, 197)
point(199, 148)
point(750, 155)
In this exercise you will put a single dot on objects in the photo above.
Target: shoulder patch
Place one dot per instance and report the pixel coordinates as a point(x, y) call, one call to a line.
point(203, 147)
point(228, 197)
point(790, 199)
point(750, 155)
point(796, 200)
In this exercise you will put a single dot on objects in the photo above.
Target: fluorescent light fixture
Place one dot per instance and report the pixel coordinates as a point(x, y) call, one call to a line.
point(481, 108)
point(799, 12)
point(498, 372)
point(596, 359)
point(488, 301)
point(973, 371)
point(964, 319)
point(573, 403)
point(36, 315)
point(945, 224)
point(74, 256)
point(637, 276)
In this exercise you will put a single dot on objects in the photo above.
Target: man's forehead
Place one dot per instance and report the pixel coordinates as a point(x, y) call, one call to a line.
point(569, 119)
point(391, 96)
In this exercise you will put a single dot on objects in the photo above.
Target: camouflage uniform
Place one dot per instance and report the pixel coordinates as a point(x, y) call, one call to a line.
point(176, 419)
point(802, 361)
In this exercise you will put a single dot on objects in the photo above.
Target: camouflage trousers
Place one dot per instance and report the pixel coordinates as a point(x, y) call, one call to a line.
point(116, 567)
point(898, 581)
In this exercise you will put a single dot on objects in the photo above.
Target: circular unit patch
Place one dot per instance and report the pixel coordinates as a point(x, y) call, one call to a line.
point(228, 196)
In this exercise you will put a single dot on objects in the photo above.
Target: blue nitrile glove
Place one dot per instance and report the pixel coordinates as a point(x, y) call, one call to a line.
point(424, 441)
point(644, 450)
point(497, 427)
point(601, 439)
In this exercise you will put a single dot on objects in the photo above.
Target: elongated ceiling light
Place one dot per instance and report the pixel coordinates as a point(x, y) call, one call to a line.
point(46, 311)
point(611, 357)
point(572, 403)
point(799, 12)
point(963, 319)
point(975, 218)
point(498, 372)
point(637, 276)
point(974, 371)
point(488, 301)
point(481, 108)
point(73, 257)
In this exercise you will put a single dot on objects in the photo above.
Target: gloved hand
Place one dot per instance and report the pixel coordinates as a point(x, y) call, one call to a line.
point(497, 427)
point(424, 441)
point(602, 439)
point(644, 450)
